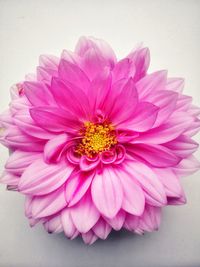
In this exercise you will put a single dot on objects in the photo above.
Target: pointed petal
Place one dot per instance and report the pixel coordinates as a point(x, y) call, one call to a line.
point(89, 238)
point(41, 178)
point(54, 225)
point(68, 225)
point(117, 222)
point(77, 185)
point(84, 214)
point(107, 192)
point(102, 229)
point(123, 69)
point(175, 84)
point(187, 166)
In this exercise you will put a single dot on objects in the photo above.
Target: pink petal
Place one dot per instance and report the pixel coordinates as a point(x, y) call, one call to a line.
point(54, 225)
point(87, 164)
point(104, 50)
point(155, 155)
point(171, 129)
point(68, 225)
point(151, 83)
point(116, 222)
point(84, 214)
point(133, 200)
point(71, 98)
point(107, 192)
point(70, 72)
point(184, 102)
point(49, 61)
point(9, 179)
point(89, 237)
point(54, 148)
point(131, 222)
point(54, 119)
point(166, 101)
point(125, 103)
point(38, 94)
point(77, 185)
point(175, 84)
point(143, 118)
point(24, 121)
point(102, 229)
point(170, 182)
point(187, 166)
point(148, 180)
point(49, 204)
point(150, 219)
point(20, 160)
point(41, 178)
point(123, 69)
point(182, 146)
point(141, 60)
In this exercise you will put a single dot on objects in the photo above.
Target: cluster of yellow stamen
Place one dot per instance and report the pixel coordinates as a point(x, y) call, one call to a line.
point(96, 138)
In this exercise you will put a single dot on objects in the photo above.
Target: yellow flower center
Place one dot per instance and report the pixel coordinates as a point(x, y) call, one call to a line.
point(96, 138)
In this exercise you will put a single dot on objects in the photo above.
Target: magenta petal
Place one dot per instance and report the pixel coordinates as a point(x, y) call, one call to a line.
point(70, 72)
point(117, 222)
point(41, 178)
point(148, 180)
point(133, 200)
point(76, 186)
point(84, 214)
point(68, 225)
point(101, 229)
point(155, 155)
point(54, 148)
point(20, 160)
point(54, 119)
point(143, 118)
point(125, 104)
point(123, 69)
point(71, 98)
point(87, 164)
point(107, 192)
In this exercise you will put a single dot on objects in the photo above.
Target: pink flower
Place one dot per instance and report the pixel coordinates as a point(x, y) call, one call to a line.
point(98, 144)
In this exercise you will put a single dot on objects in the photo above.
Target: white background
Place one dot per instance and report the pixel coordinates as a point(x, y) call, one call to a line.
point(171, 29)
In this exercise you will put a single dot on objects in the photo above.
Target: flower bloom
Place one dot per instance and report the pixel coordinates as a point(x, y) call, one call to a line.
point(98, 144)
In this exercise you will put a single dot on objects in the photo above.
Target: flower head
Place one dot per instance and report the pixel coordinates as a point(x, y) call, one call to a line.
point(98, 144)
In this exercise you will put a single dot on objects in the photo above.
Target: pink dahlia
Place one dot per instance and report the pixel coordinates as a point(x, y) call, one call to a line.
point(98, 144)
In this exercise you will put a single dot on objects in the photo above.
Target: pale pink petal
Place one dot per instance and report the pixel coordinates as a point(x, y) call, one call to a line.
point(151, 83)
point(68, 225)
point(175, 84)
point(54, 225)
point(84, 214)
point(107, 192)
point(187, 166)
point(89, 238)
point(20, 160)
point(41, 178)
point(116, 222)
point(49, 61)
point(150, 220)
point(131, 222)
point(123, 69)
point(102, 229)
point(9, 179)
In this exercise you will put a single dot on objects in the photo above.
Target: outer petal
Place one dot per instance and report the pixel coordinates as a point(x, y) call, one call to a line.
point(20, 160)
point(43, 206)
point(150, 219)
point(143, 119)
point(155, 155)
point(175, 84)
point(117, 222)
point(107, 192)
point(9, 179)
point(153, 188)
point(54, 225)
point(187, 166)
point(133, 200)
point(151, 83)
point(89, 237)
point(41, 178)
point(171, 129)
point(84, 214)
point(102, 229)
point(68, 225)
